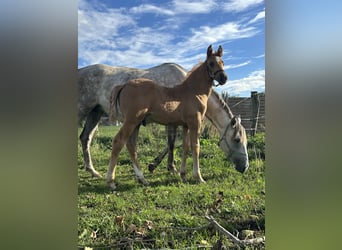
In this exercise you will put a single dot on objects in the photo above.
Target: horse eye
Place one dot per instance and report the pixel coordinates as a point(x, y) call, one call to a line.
point(237, 140)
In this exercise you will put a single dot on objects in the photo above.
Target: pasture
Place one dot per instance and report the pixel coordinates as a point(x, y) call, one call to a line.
point(168, 213)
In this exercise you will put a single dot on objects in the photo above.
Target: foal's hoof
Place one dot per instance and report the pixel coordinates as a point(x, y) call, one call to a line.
point(111, 185)
point(183, 177)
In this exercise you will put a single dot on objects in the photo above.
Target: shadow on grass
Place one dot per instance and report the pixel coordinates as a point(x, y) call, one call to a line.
point(104, 189)
point(128, 182)
point(99, 185)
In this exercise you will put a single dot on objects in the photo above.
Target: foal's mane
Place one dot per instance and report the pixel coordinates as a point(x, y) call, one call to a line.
point(192, 70)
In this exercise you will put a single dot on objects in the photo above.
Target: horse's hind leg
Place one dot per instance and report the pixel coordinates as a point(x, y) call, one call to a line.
point(152, 166)
point(118, 142)
point(132, 150)
point(86, 137)
point(171, 139)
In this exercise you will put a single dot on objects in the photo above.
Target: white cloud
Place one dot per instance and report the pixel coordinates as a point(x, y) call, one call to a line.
point(149, 8)
point(194, 6)
point(260, 15)
point(95, 25)
point(240, 5)
point(254, 82)
point(259, 56)
point(234, 66)
point(222, 33)
point(113, 36)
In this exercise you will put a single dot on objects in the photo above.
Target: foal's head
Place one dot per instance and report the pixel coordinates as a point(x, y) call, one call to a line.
point(215, 65)
point(234, 143)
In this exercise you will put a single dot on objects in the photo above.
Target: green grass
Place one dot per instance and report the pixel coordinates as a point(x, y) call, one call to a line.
point(167, 213)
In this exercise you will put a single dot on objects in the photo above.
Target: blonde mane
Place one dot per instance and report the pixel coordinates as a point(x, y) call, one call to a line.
point(223, 103)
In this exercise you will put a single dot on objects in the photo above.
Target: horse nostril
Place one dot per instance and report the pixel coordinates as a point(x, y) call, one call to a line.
point(223, 78)
point(237, 140)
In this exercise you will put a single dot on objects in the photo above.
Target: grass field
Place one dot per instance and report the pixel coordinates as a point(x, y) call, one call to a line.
point(168, 213)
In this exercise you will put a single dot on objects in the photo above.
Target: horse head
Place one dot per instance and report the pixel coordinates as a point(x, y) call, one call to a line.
point(234, 143)
point(215, 65)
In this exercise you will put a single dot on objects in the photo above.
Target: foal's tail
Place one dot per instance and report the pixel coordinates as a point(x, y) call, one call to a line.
point(114, 109)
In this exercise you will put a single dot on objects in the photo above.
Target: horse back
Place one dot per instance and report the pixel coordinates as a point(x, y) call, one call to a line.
point(143, 98)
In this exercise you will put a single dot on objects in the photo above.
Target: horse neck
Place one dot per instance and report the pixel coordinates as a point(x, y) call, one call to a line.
point(199, 81)
point(218, 113)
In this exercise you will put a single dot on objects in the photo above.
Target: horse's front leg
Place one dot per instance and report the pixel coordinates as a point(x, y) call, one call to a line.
point(132, 150)
point(195, 147)
point(117, 144)
point(185, 153)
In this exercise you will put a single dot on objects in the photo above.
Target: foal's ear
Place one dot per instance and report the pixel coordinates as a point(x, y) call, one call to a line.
point(219, 51)
point(209, 51)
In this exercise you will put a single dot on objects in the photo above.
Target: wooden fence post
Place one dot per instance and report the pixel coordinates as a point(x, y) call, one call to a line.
point(255, 103)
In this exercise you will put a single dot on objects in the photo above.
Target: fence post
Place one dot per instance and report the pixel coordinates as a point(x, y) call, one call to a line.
point(255, 102)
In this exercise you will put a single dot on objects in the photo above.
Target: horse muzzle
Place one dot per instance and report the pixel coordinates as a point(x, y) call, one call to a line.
point(241, 165)
point(222, 78)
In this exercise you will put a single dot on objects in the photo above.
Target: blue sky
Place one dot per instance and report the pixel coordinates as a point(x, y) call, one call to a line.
point(143, 34)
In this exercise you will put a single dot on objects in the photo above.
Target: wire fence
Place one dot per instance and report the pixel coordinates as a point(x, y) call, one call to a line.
point(251, 109)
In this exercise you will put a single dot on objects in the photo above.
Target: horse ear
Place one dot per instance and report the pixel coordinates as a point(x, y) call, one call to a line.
point(209, 51)
point(238, 118)
point(219, 51)
point(235, 120)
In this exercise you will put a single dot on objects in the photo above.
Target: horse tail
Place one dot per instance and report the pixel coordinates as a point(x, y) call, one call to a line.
point(114, 109)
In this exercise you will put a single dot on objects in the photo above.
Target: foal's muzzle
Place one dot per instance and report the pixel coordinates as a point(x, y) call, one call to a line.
point(221, 77)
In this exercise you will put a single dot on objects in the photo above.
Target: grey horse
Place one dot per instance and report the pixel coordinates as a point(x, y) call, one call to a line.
point(95, 83)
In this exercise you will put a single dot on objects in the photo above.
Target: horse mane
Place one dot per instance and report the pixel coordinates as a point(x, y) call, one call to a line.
point(223, 103)
point(192, 70)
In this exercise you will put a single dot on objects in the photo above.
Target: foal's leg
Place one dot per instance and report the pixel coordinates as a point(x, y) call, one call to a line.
point(117, 144)
point(132, 150)
point(171, 139)
point(86, 136)
point(195, 147)
point(185, 153)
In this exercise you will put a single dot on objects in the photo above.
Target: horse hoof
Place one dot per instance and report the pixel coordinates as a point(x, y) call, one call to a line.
point(94, 173)
point(172, 169)
point(199, 181)
point(143, 181)
point(183, 177)
point(151, 167)
point(111, 185)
